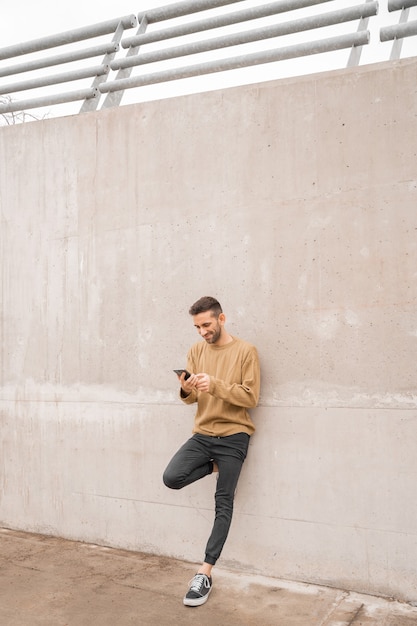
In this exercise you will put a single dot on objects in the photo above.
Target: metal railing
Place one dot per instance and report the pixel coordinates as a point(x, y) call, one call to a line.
point(114, 75)
point(397, 32)
point(115, 27)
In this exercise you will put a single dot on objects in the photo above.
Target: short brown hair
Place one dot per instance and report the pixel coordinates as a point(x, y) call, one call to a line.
point(206, 303)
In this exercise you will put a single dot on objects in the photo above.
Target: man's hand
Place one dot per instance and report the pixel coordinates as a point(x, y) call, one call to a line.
point(203, 382)
point(188, 385)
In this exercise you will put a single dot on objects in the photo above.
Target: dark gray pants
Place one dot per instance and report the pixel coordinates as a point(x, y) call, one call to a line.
point(194, 460)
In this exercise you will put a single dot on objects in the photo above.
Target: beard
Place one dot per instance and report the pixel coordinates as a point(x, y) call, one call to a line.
point(215, 335)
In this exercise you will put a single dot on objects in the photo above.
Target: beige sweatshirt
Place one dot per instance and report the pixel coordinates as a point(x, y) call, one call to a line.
point(234, 387)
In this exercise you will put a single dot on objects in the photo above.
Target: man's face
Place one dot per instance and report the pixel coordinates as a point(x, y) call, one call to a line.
point(208, 326)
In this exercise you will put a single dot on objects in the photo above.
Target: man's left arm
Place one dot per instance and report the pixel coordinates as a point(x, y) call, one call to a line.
point(245, 393)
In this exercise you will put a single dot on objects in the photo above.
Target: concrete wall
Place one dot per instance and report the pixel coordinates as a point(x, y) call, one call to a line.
point(295, 203)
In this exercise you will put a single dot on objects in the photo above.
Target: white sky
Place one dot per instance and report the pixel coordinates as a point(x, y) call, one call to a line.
point(24, 20)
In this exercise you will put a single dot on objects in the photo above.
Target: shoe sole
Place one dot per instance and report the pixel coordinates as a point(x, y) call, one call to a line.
point(197, 601)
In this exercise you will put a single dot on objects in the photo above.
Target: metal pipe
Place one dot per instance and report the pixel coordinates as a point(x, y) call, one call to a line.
point(398, 31)
point(266, 10)
point(69, 36)
point(55, 79)
point(35, 103)
point(397, 5)
point(356, 51)
point(91, 105)
point(114, 99)
point(277, 30)
point(290, 52)
point(169, 11)
point(59, 59)
point(397, 44)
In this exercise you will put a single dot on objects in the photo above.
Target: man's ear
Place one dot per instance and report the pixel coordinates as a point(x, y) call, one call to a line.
point(222, 318)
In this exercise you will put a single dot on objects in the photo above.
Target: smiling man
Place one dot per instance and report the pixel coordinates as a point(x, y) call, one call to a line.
point(225, 382)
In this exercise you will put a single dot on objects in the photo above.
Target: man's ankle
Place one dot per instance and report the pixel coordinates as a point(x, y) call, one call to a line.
point(205, 569)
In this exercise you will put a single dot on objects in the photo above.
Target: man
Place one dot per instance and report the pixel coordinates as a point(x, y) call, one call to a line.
point(224, 381)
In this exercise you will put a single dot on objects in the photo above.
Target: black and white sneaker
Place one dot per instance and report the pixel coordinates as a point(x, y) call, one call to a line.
point(198, 593)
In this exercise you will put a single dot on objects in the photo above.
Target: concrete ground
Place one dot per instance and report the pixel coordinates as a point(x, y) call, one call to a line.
point(54, 582)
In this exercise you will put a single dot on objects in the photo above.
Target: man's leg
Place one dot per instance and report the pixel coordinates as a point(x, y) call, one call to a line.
point(228, 454)
point(190, 463)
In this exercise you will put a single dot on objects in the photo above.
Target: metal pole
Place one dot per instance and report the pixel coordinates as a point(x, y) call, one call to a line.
point(114, 98)
point(35, 103)
point(59, 59)
point(70, 36)
point(277, 30)
point(356, 51)
point(265, 10)
point(91, 104)
point(397, 5)
point(55, 79)
point(179, 9)
point(398, 31)
point(247, 60)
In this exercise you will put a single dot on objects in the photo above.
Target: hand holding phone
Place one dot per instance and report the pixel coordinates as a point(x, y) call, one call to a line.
point(179, 372)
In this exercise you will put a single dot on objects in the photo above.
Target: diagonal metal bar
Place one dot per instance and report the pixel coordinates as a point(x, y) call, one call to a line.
point(114, 98)
point(135, 56)
point(90, 104)
point(398, 43)
point(356, 51)
point(398, 32)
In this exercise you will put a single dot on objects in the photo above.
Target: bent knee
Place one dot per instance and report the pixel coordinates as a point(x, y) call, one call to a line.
point(171, 481)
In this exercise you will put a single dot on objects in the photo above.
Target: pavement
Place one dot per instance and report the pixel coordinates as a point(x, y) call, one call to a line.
point(50, 581)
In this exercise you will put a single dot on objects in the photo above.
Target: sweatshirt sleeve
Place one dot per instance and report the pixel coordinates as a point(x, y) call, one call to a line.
point(193, 396)
point(246, 393)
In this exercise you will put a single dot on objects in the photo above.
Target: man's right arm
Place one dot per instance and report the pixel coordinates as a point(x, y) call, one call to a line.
point(188, 391)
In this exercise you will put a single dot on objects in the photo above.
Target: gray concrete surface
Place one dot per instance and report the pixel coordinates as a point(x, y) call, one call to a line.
point(293, 202)
point(54, 582)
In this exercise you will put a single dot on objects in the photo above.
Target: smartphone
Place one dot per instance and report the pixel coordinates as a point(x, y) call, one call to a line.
point(179, 372)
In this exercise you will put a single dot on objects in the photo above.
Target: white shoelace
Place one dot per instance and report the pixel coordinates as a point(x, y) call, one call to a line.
point(198, 582)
